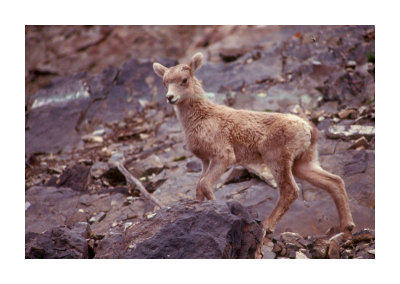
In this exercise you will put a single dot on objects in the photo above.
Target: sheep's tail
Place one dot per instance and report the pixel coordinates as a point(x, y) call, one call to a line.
point(314, 129)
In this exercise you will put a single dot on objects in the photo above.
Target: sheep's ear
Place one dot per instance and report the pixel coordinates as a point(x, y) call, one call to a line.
point(196, 62)
point(159, 69)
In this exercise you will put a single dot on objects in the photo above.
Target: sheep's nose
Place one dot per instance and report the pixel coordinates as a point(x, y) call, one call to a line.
point(170, 97)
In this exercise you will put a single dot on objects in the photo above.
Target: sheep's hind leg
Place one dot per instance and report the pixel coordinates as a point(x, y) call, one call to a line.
point(288, 191)
point(333, 184)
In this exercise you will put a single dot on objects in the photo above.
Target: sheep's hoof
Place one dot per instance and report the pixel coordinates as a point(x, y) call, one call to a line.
point(267, 231)
point(347, 231)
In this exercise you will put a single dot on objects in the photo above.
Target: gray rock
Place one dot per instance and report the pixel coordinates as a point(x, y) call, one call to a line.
point(117, 157)
point(338, 238)
point(211, 229)
point(333, 250)
point(59, 242)
point(301, 255)
point(98, 169)
point(193, 166)
point(150, 165)
point(320, 248)
point(75, 177)
point(268, 253)
point(90, 138)
point(360, 143)
point(50, 207)
point(290, 236)
point(364, 235)
point(350, 131)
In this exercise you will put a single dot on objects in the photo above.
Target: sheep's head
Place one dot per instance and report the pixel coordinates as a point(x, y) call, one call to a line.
point(179, 80)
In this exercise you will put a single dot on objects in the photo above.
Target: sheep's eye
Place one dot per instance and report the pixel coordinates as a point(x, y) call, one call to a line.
point(184, 81)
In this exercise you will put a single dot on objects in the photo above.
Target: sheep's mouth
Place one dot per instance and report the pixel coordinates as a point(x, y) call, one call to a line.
point(173, 100)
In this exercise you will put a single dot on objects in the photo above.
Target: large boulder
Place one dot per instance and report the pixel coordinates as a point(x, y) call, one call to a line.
point(191, 229)
point(59, 242)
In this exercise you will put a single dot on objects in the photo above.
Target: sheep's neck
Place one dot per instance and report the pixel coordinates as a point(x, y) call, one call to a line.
point(192, 111)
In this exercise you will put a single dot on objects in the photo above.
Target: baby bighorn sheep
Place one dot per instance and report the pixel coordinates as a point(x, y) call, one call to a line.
point(221, 137)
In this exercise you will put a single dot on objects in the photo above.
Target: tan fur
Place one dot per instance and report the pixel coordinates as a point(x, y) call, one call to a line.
point(221, 137)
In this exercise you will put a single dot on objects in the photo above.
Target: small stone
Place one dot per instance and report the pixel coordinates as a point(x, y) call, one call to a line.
point(99, 132)
point(346, 254)
point(300, 255)
point(151, 215)
point(289, 236)
point(351, 64)
point(267, 253)
point(292, 254)
point(361, 142)
point(361, 246)
point(307, 242)
point(193, 166)
point(277, 248)
point(348, 132)
point(333, 251)
point(76, 217)
point(371, 251)
point(338, 238)
point(92, 139)
point(364, 235)
point(116, 158)
point(148, 166)
point(293, 245)
point(320, 248)
point(97, 218)
point(127, 225)
point(348, 112)
point(27, 205)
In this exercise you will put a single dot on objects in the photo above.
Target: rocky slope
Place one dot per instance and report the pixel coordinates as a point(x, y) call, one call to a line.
point(81, 125)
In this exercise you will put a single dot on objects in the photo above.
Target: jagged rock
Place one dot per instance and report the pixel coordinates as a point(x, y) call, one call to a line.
point(348, 132)
point(210, 229)
point(364, 235)
point(290, 236)
point(59, 242)
point(320, 248)
point(333, 250)
point(75, 177)
point(360, 143)
point(338, 238)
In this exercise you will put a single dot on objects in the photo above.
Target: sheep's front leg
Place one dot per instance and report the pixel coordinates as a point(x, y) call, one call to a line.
point(205, 185)
point(199, 194)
